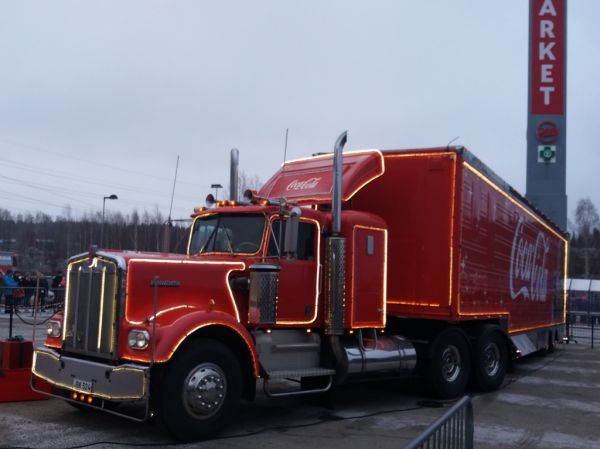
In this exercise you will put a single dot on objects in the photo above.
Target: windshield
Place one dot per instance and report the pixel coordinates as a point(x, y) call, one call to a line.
point(227, 234)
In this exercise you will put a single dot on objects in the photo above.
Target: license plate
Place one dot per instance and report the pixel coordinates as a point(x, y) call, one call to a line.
point(82, 385)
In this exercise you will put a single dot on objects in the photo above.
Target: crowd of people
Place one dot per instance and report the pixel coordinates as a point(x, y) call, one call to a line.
point(24, 290)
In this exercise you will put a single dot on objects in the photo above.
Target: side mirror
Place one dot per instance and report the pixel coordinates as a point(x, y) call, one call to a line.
point(290, 244)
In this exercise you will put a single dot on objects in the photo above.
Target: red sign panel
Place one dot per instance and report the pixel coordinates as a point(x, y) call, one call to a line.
point(547, 132)
point(547, 53)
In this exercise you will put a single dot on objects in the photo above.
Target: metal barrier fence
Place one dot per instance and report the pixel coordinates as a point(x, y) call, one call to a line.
point(583, 311)
point(583, 327)
point(26, 298)
point(454, 430)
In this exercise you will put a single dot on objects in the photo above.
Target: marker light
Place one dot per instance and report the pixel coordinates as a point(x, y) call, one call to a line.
point(54, 328)
point(138, 339)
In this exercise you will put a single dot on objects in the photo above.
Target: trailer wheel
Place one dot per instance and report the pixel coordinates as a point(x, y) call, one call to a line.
point(202, 390)
point(490, 360)
point(448, 364)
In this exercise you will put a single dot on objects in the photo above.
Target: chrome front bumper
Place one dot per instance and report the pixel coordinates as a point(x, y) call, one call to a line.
point(126, 382)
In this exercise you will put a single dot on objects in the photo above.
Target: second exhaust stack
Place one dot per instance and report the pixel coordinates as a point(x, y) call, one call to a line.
point(336, 249)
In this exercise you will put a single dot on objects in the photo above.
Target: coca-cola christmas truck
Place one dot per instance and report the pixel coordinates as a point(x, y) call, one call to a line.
point(343, 267)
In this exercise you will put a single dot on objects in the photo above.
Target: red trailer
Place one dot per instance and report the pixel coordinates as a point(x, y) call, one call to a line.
point(342, 267)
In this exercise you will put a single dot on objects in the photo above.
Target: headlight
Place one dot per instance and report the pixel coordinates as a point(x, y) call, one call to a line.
point(138, 339)
point(54, 328)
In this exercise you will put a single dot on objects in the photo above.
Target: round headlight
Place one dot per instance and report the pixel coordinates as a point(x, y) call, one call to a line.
point(138, 339)
point(54, 328)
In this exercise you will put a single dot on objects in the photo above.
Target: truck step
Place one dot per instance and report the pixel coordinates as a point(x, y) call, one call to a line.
point(325, 373)
point(299, 373)
point(296, 347)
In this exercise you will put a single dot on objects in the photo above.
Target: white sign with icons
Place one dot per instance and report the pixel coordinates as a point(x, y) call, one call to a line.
point(547, 154)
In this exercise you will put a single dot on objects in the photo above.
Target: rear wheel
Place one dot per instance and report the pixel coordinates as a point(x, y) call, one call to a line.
point(448, 364)
point(490, 359)
point(202, 390)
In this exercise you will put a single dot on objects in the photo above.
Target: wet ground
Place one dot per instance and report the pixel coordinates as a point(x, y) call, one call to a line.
point(548, 401)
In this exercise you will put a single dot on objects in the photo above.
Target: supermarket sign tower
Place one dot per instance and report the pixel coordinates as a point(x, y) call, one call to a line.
point(546, 126)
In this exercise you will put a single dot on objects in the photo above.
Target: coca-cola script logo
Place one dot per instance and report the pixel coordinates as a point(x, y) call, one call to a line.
point(528, 272)
point(308, 184)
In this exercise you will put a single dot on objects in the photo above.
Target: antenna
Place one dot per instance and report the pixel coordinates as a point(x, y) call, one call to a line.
point(173, 191)
point(285, 146)
point(448, 144)
point(166, 242)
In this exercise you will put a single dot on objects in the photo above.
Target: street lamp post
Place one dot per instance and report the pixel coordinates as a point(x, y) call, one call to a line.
point(110, 197)
point(216, 187)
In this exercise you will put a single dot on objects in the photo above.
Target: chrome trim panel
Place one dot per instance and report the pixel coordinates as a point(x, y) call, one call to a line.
point(126, 382)
point(91, 307)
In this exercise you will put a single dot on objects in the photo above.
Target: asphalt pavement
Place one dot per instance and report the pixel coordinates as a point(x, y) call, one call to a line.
point(550, 402)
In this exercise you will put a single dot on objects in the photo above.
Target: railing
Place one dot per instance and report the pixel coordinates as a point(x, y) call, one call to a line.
point(454, 430)
point(27, 298)
point(583, 311)
point(583, 327)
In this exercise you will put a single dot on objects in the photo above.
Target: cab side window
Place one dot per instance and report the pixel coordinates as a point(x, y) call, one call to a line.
point(306, 240)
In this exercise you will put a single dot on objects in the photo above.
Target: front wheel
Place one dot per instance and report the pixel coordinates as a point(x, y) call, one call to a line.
point(448, 364)
point(202, 390)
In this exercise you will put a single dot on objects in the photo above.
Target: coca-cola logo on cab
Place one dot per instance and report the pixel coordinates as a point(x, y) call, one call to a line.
point(307, 184)
point(528, 271)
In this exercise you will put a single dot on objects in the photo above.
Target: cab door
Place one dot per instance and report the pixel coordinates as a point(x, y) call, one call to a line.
point(366, 287)
point(298, 290)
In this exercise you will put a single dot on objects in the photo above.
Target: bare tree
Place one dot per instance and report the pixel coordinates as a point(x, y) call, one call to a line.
point(246, 182)
point(587, 220)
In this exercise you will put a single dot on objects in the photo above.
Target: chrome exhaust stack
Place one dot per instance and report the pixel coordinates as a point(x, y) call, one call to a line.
point(233, 174)
point(336, 249)
point(336, 201)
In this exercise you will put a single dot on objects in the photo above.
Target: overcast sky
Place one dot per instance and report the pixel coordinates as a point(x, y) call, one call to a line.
point(100, 97)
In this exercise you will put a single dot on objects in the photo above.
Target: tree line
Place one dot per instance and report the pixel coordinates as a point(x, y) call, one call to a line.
point(585, 242)
point(44, 243)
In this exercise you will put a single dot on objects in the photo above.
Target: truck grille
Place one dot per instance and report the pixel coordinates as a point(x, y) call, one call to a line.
point(90, 308)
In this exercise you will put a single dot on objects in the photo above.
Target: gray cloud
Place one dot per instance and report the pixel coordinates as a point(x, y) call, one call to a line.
point(134, 84)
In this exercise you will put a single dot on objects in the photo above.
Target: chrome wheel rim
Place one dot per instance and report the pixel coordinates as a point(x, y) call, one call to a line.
point(491, 359)
point(451, 363)
point(204, 390)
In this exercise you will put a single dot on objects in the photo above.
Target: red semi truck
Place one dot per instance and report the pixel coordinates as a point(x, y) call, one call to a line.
point(343, 267)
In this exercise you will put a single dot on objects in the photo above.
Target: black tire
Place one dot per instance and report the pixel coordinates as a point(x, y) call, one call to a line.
point(448, 364)
point(490, 359)
point(211, 373)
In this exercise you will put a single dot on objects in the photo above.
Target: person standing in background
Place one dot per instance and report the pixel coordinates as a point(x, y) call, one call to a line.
point(9, 285)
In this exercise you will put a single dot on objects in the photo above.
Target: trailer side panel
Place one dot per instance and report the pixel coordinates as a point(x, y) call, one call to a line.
point(512, 262)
